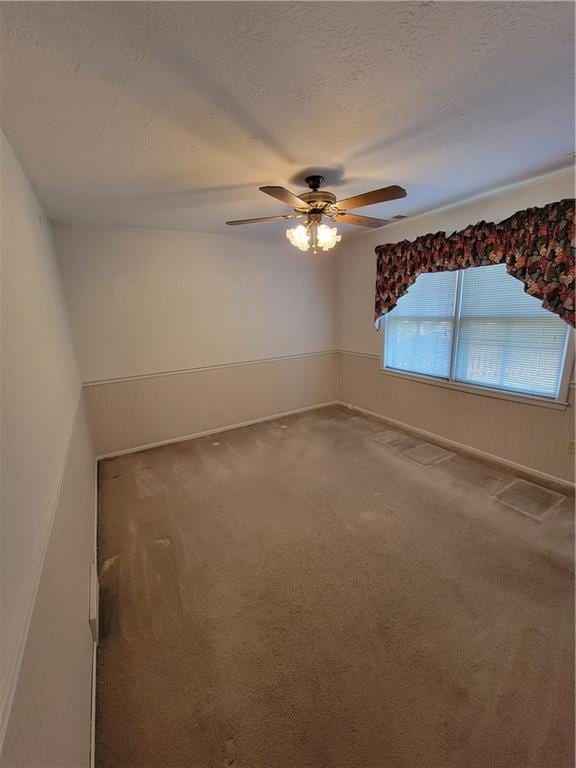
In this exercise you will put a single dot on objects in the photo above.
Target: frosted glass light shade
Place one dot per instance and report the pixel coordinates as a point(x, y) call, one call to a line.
point(299, 237)
point(327, 237)
point(313, 236)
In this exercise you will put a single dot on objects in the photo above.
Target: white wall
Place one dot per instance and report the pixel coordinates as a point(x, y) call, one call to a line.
point(528, 435)
point(49, 724)
point(179, 333)
point(40, 400)
point(145, 301)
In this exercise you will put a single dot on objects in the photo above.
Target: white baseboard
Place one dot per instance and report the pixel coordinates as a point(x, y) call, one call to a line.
point(216, 431)
point(476, 452)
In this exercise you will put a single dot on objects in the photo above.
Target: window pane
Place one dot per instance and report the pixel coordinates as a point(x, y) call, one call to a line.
point(505, 339)
point(419, 329)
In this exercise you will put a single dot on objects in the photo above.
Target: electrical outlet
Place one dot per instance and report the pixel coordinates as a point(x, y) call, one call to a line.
point(571, 447)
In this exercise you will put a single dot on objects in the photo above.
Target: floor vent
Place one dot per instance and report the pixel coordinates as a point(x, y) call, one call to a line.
point(529, 498)
point(427, 454)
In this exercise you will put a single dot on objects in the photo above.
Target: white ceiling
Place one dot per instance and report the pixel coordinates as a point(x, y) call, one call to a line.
point(171, 115)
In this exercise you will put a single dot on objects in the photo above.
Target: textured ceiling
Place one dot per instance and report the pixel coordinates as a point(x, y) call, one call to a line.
point(172, 114)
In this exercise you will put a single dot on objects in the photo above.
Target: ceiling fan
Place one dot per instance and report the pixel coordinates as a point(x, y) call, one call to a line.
point(313, 205)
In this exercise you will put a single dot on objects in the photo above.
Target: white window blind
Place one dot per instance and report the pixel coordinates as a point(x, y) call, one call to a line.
point(477, 326)
point(505, 338)
point(420, 329)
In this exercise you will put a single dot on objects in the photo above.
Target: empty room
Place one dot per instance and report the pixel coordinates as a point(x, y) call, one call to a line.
point(287, 384)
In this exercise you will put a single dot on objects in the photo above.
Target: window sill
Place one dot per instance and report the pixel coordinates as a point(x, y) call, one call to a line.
point(557, 405)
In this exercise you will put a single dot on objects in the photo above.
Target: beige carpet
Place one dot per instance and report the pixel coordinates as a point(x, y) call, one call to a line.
point(298, 594)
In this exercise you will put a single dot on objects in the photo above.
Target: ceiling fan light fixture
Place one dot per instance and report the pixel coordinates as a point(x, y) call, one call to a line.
point(313, 235)
point(318, 203)
point(299, 237)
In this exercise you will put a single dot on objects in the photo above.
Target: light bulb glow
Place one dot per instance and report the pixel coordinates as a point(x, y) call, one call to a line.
point(313, 235)
point(327, 237)
point(299, 237)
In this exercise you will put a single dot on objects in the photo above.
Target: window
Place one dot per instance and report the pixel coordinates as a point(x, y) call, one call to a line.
point(477, 326)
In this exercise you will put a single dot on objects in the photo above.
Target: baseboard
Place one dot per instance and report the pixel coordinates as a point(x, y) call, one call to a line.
point(528, 472)
point(216, 431)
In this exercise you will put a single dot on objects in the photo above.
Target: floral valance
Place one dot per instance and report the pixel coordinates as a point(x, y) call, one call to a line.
point(537, 246)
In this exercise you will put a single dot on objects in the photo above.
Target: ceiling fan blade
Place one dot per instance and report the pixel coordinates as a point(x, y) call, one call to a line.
point(285, 196)
point(370, 198)
point(264, 218)
point(362, 221)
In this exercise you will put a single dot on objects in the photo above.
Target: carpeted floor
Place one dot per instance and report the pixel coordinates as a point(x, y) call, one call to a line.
point(299, 594)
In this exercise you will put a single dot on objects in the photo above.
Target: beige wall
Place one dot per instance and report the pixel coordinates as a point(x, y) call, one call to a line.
point(50, 719)
point(151, 301)
point(534, 436)
point(135, 412)
point(39, 400)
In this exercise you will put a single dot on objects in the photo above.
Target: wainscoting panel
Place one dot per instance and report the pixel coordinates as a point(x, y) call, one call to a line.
point(49, 723)
point(141, 411)
point(532, 436)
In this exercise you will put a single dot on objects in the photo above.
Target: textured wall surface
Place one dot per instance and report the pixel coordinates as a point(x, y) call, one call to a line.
point(49, 725)
point(171, 115)
point(151, 409)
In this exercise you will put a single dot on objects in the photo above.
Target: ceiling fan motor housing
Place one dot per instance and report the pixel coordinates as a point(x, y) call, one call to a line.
point(318, 199)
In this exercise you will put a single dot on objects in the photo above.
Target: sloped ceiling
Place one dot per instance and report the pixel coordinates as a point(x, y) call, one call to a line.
point(171, 115)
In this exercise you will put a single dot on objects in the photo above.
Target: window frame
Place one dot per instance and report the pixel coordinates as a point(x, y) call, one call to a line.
point(559, 403)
